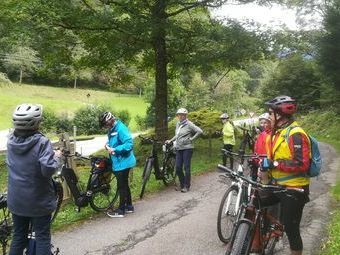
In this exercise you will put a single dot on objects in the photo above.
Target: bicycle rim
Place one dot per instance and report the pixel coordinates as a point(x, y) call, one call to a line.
point(146, 176)
point(169, 171)
point(104, 196)
point(227, 214)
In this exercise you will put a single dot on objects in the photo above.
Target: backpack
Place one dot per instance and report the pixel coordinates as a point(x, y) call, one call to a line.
point(316, 161)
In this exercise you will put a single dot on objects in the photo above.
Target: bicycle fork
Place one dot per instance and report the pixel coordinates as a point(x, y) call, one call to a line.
point(238, 199)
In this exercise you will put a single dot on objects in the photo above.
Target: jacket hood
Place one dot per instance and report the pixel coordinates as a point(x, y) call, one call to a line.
point(20, 145)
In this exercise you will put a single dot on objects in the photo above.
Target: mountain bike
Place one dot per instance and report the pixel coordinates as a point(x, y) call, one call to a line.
point(254, 218)
point(167, 171)
point(235, 195)
point(6, 225)
point(101, 189)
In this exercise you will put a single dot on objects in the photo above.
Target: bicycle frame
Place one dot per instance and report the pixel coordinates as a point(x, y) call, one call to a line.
point(82, 198)
point(238, 181)
point(165, 173)
point(158, 171)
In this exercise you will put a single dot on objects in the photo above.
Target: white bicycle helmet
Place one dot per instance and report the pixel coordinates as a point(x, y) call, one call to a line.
point(224, 116)
point(265, 116)
point(105, 117)
point(27, 116)
point(182, 111)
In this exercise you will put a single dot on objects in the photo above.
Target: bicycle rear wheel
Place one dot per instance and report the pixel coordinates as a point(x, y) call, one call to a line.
point(146, 175)
point(227, 214)
point(105, 195)
point(169, 171)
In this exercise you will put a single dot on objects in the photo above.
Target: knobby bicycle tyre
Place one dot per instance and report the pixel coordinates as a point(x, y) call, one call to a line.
point(169, 171)
point(227, 214)
point(146, 175)
point(105, 195)
point(59, 197)
point(242, 240)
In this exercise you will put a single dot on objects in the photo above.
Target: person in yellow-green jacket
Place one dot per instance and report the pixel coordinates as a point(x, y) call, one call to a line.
point(228, 133)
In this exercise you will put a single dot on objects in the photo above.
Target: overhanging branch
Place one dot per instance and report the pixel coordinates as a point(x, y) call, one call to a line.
point(189, 6)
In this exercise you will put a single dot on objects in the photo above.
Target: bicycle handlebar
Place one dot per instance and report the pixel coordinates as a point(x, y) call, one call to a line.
point(267, 187)
point(150, 139)
point(67, 154)
point(244, 155)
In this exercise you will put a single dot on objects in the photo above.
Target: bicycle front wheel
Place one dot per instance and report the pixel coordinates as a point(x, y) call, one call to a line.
point(169, 171)
point(227, 214)
point(146, 175)
point(242, 241)
point(105, 195)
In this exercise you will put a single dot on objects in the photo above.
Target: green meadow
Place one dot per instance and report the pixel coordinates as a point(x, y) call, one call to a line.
point(65, 101)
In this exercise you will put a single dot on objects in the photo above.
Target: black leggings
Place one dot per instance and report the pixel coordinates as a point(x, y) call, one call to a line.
point(291, 206)
point(228, 147)
point(123, 188)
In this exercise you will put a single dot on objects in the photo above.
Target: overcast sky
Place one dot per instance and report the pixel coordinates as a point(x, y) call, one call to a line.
point(274, 16)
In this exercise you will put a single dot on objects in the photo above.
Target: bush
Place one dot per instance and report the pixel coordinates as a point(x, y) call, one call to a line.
point(49, 121)
point(208, 120)
point(141, 122)
point(86, 120)
point(124, 116)
point(64, 125)
point(4, 78)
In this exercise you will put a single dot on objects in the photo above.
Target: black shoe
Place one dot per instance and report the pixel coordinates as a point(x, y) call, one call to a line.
point(129, 209)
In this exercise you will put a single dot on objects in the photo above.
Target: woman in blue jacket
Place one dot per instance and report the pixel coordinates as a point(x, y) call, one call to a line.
point(120, 148)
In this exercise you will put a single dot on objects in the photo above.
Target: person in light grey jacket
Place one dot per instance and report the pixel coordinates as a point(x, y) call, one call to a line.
point(31, 196)
point(186, 132)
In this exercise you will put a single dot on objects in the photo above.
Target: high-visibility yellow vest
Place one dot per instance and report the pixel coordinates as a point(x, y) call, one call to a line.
point(228, 133)
point(280, 151)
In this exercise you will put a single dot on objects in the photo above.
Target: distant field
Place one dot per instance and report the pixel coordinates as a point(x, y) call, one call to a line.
point(64, 100)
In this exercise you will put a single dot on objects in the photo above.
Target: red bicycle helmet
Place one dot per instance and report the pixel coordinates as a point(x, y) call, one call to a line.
point(283, 105)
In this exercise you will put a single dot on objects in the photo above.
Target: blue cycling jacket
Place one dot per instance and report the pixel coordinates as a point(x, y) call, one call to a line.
point(120, 139)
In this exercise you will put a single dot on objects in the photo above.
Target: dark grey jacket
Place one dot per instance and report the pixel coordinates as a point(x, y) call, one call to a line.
point(185, 134)
point(31, 164)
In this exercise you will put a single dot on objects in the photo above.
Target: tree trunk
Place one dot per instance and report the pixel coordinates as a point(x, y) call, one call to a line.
point(20, 77)
point(161, 86)
point(210, 145)
point(75, 82)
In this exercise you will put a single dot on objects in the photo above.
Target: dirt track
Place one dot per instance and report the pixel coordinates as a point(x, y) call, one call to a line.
point(175, 223)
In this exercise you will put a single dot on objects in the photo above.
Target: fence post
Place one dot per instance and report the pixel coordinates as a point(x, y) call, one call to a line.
point(65, 145)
